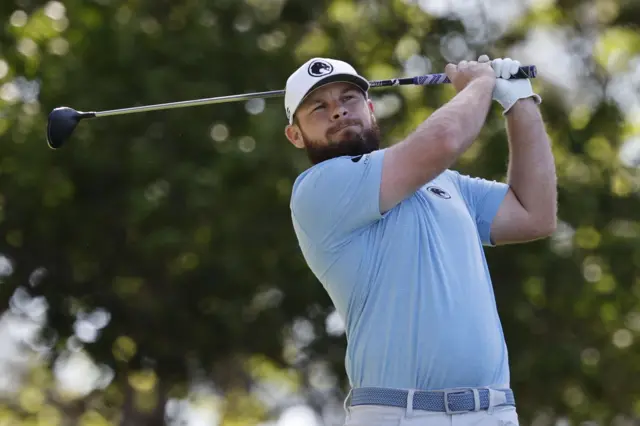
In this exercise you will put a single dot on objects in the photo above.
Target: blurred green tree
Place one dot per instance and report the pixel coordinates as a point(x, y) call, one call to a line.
point(162, 242)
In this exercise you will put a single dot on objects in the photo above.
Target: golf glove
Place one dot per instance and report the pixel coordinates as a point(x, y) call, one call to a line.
point(507, 92)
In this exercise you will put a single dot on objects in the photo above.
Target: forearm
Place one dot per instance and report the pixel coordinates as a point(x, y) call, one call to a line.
point(448, 132)
point(531, 172)
point(463, 116)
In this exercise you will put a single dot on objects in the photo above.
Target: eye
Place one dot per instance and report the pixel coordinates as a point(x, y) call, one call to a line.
point(317, 108)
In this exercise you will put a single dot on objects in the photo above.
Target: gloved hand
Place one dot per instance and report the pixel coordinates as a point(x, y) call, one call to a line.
point(507, 92)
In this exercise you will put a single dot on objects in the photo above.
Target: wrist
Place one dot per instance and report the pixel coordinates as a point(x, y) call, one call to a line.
point(485, 80)
point(527, 103)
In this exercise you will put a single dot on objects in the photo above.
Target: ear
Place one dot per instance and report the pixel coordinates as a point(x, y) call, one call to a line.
point(371, 110)
point(293, 133)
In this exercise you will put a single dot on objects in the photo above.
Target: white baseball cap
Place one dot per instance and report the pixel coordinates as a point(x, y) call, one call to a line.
point(314, 73)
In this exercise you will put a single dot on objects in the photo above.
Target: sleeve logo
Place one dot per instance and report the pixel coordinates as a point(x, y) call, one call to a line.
point(439, 192)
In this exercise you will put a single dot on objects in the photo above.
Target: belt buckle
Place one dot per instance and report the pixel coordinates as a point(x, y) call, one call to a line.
point(447, 409)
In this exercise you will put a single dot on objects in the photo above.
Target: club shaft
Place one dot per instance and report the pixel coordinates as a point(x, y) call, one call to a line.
point(527, 71)
point(191, 103)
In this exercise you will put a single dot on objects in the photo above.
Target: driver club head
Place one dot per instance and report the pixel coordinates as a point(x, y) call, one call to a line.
point(61, 124)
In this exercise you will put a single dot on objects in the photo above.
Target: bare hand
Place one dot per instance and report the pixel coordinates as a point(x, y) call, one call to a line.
point(467, 71)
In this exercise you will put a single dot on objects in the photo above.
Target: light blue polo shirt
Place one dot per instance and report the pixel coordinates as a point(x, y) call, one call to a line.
point(412, 285)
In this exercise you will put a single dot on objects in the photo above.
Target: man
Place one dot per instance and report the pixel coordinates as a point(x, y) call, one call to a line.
point(396, 238)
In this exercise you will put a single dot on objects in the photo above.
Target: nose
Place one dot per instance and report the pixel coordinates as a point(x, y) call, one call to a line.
point(339, 113)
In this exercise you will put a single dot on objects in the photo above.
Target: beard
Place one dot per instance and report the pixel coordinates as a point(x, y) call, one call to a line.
point(353, 144)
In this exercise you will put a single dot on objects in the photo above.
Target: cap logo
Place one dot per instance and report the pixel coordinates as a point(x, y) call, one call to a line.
point(320, 68)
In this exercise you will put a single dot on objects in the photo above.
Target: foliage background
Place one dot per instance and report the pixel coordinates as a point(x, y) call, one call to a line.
point(149, 272)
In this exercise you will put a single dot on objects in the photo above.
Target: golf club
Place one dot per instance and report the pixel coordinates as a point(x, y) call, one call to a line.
point(62, 121)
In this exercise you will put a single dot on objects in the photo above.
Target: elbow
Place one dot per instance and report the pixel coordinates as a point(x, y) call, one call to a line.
point(545, 228)
point(549, 228)
point(550, 222)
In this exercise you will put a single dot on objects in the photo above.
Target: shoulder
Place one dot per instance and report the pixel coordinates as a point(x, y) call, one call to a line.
point(311, 177)
point(315, 182)
point(447, 178)
point(451, 175)
point(460, 180)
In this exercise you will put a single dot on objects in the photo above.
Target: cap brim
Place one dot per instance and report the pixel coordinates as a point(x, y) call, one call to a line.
point(341, 78)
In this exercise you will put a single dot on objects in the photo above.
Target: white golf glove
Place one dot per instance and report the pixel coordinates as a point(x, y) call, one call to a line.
point(507, 92)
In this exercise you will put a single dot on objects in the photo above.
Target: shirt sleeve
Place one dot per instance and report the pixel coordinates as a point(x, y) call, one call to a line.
point(484, 198)
point(338, 197)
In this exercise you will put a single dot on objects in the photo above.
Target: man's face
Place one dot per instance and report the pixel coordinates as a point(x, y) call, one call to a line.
point(335, 120)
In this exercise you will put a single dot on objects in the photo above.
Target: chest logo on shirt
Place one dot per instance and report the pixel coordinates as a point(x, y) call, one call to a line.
point(439, 192)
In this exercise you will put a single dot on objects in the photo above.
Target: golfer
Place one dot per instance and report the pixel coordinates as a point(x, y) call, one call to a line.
point(396, 238)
